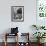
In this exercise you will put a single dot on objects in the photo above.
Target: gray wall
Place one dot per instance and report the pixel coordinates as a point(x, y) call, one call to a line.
point(29, 15)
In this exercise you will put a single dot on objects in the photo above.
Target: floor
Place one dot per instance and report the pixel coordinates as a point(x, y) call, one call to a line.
point(13, 44)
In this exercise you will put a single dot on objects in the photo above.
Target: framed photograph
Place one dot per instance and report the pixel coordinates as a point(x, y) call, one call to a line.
point(17, 13)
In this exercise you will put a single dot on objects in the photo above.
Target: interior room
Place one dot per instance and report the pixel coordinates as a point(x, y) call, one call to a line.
point(22, 22)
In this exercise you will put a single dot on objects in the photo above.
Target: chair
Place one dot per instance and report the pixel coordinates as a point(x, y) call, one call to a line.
point(14, 32)
point(26, 41)
point(7, 35)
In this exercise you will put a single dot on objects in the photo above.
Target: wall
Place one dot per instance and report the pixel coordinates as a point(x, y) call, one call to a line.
point(29, 15)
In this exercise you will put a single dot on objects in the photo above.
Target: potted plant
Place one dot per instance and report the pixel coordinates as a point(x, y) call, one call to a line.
point(38, 27)
point(35, 26)
point(39, 35)
point(42, 27)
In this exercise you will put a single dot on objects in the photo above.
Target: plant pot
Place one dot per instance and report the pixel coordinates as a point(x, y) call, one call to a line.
point(40, 41)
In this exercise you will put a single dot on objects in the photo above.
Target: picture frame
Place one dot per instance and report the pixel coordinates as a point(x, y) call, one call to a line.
point(17, 13)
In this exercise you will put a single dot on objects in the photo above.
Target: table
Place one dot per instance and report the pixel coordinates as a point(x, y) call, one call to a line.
point(8, 34)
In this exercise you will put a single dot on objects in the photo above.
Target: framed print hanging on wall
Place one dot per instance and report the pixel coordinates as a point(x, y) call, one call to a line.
point(17, 13)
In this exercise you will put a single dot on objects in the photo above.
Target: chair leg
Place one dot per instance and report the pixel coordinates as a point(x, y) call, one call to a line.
point(5, 43)
point(5, 39)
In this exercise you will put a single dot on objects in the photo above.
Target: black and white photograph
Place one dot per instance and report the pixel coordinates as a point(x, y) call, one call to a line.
point(17, 13)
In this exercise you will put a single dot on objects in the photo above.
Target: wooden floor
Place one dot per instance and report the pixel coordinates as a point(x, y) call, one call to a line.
point(13, 44)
